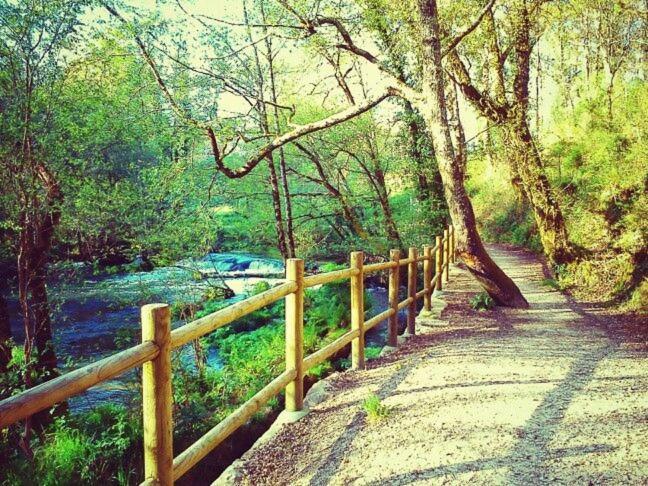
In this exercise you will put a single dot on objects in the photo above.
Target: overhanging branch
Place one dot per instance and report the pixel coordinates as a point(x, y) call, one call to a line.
point(296, 133)
point(455, 42)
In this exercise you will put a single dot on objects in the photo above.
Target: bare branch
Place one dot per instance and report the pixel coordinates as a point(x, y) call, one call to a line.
point(455, 42)
point(296, 133)
point(179, 111)
point(310, 26)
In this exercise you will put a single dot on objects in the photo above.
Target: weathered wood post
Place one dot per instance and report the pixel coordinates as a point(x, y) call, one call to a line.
point(452, 244)
point(157, 396)
point(357, 311)
point(295, 335)
point(411, 290)
point(446, 254)
point(427, 278)
point(439, 263)
point(394, 273)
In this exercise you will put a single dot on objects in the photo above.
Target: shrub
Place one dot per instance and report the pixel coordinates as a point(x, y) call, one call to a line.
point(372, 352)
point(551, 283)
point(482, 301)
point(260, 287)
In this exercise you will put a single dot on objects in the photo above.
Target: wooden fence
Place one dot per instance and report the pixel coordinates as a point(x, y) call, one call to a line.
point(158, 340)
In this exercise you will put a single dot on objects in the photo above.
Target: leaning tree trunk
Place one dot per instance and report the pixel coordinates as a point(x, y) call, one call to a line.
point(527, 166)
point(469, 244)
point(526, 158)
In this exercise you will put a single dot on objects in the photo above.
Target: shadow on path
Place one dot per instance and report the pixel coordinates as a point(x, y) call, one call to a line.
point(528, 461)
point(481, 465)
point(332, 462)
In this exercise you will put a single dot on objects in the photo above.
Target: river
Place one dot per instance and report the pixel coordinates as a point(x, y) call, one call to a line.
point(93, 316)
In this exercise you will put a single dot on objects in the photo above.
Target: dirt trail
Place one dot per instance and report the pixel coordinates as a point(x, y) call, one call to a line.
point(541, 396)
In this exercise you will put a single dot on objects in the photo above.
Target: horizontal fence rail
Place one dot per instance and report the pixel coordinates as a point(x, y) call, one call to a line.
point(154, 353)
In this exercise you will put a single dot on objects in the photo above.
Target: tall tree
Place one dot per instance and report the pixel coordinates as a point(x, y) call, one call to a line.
point(512, 113)
point(428, 101)
point(33, 36)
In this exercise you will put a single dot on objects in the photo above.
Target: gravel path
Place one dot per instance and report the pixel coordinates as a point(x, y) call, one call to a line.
point(549, 395)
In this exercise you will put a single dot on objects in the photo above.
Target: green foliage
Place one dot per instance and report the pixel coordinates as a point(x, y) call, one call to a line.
point(215, 292)
point(482, 302)
point(596, 164)
point(375, 409)
point(638, 301)
point(599, 161)
point(372, 352)
point(101, 446)
point(260, 287)
point(253, 352)
point(552, 283)
point(321, 370)
point(502, 217)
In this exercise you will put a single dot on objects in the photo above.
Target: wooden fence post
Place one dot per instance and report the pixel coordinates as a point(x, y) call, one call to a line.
point(394, 273)
point(446, 254)
point(439, 263)
point(411, 290)
point(357, 311)
point(157, 396)
point(427, 278)
point(295, 335)
point(452, 244)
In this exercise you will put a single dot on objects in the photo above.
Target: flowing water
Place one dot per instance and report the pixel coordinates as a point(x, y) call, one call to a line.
point(94, 316)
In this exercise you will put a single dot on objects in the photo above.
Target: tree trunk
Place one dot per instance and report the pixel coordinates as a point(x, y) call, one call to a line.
point(35, 242)
point(527, 173)
point(383, 200)
point(527, 167)
point(276, 205)
point(5, 335)
point(469, 244)
point(289, 231)
point(265, 127)
point(456, 127)
point(526, 160)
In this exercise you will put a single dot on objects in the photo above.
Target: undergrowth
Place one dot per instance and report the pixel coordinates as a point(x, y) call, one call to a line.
point(375, 409)
point(104, 446)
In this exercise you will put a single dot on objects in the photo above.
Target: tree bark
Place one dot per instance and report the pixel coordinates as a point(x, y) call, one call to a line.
point(527, 167)
point(276, 206)
point(38, 220)
point(5, 335)
point(527, 172)
point(456, 127)
point(390, 223)
point(469, 244)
